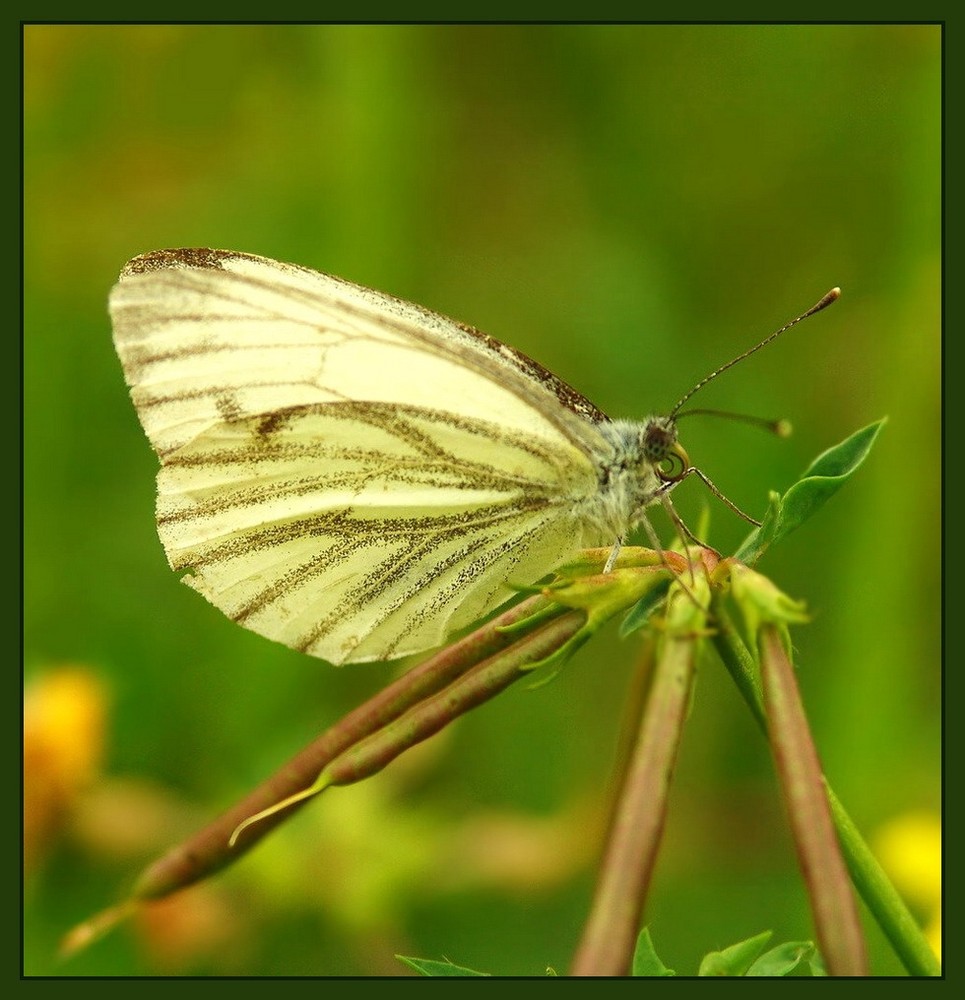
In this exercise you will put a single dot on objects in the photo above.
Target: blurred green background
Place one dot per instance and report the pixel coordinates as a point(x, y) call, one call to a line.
point(630, 205)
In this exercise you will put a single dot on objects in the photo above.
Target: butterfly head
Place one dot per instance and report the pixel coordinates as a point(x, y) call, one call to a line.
point(660, 447)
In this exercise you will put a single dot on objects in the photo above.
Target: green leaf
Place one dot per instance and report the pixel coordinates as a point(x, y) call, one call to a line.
point(784, 959)
point(638, 616)
point(817, 964)
point(645, 959)
point(735, 960)
point(822, 479)
point(428, 967)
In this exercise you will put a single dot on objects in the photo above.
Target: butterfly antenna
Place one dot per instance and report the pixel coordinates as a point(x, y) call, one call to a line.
point(831, 296)
point(780, 427)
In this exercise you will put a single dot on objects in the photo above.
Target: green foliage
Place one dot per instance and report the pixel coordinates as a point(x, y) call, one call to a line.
point(745, 958)
point(646, 962)
point(820, 481)
point(735, 960)
point(429, 967)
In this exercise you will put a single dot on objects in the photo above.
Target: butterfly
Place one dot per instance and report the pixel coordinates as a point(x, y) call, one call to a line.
point(356, 476)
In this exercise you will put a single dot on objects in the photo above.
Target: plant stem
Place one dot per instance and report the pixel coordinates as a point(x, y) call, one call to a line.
point(832, 901)
point(409, 710)
point(882, 898)
point(873, 885)
point(606, 947)
point(475, 686)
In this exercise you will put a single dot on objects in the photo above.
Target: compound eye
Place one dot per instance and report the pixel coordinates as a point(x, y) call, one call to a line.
point(674, 465)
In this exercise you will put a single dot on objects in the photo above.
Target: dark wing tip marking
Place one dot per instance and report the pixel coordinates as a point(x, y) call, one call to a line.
point(197, 257)
point(569, 397)
point(204, 258)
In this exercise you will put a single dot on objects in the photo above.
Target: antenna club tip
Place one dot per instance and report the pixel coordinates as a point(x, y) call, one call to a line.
point(783, 428)
point(826, 300)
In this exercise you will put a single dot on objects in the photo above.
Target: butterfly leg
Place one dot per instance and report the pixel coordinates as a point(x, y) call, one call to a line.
point(614, 552)
point(682, 529)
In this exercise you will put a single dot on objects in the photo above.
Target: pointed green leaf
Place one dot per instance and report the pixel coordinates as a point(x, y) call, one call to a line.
point(646, 962)
point(816, 962)
point(428, 967)
point(638, 616)
point(822, 479)
point(735, 960)
point(784, 959)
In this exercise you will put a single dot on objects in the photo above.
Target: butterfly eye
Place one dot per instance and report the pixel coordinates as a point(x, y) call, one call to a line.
point(674, 465)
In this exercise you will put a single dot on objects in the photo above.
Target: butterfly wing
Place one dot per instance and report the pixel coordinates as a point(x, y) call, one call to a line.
point(342, 471)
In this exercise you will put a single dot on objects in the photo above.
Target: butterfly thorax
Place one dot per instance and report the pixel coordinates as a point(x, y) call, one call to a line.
point(630, 478)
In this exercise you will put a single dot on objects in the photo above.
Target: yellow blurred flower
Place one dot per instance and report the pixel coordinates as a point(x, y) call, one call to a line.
point(63, 741)
point(909, 848)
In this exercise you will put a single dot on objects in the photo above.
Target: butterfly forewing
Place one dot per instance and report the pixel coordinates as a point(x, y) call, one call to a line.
point(344, 472)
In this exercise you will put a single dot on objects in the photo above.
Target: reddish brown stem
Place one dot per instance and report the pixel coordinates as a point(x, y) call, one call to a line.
point(206, 852)
point(832, 900)
point(482, 682)
point(606, 948)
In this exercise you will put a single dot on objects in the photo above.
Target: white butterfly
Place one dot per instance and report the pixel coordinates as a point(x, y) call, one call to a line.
point(353, 475)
